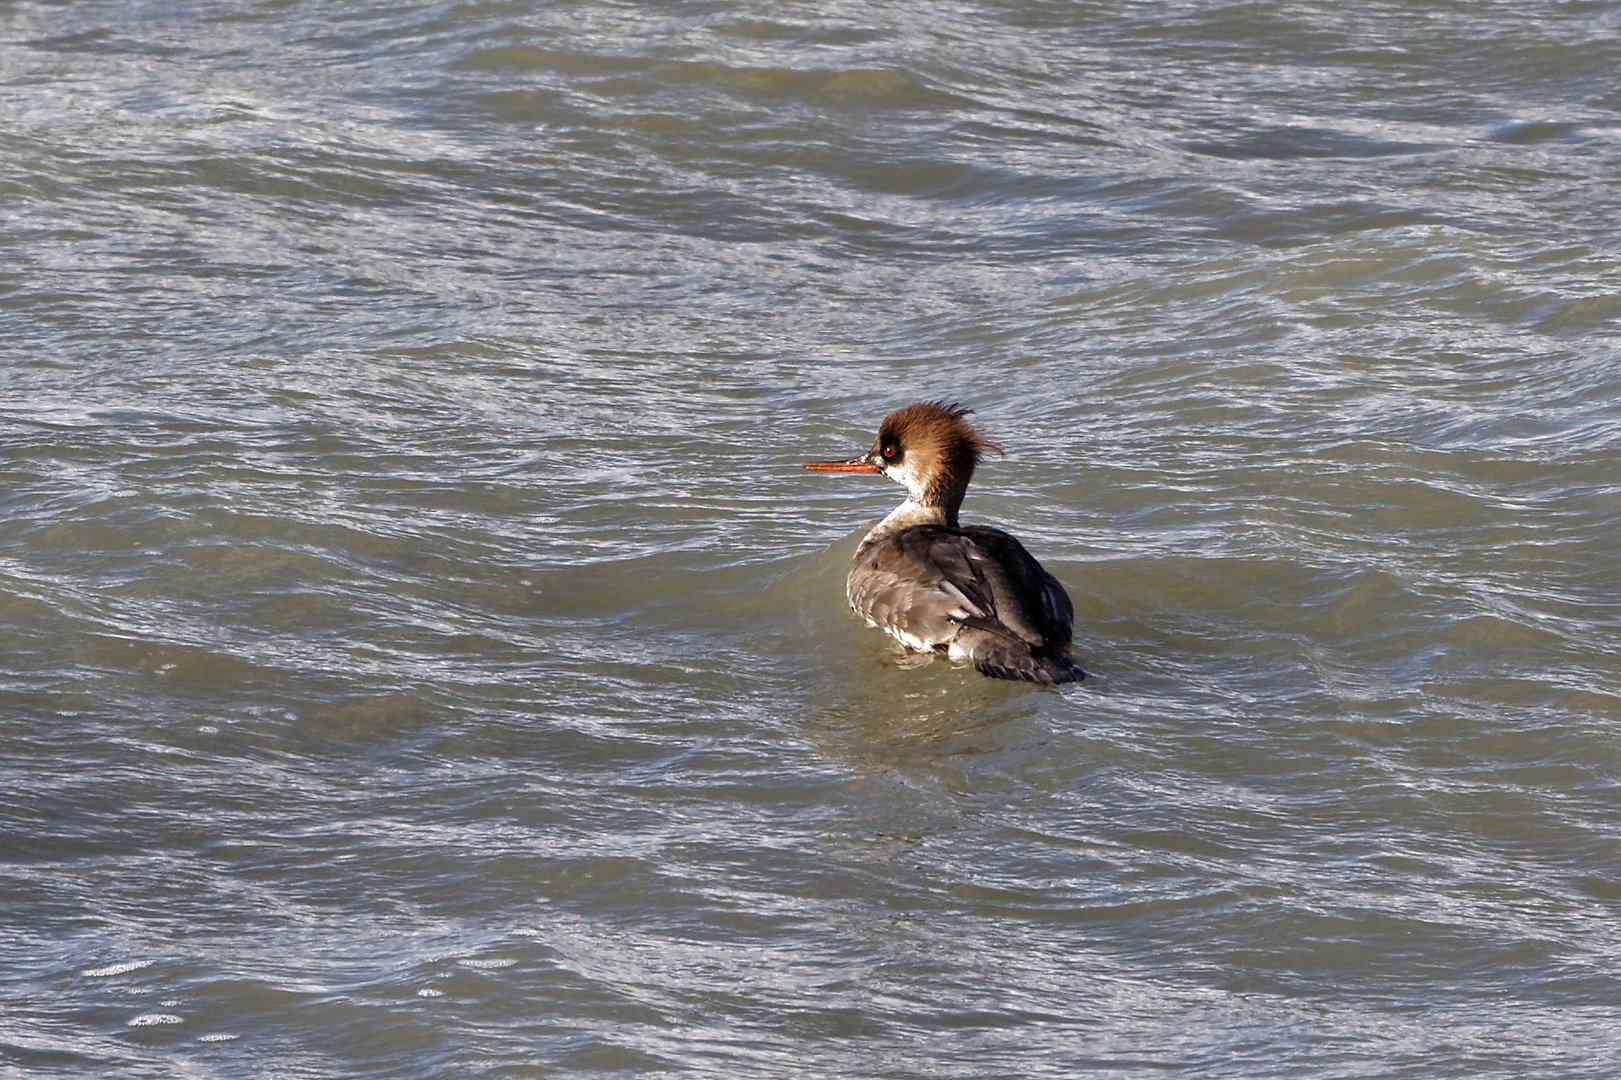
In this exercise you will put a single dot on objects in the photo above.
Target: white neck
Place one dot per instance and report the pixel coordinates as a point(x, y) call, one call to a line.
point(909, 513)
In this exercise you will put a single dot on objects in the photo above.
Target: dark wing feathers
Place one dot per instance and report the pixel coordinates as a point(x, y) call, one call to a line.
point(930, 584)
point(1006, 563)
point(922, 600)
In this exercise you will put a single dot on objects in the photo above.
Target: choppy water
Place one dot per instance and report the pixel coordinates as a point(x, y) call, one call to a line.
point(424, 657)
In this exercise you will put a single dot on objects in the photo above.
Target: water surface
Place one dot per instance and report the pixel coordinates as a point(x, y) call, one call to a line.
point(421, 654)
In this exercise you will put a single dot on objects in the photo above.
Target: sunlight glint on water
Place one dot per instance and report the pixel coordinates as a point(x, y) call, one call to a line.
point(424, 656)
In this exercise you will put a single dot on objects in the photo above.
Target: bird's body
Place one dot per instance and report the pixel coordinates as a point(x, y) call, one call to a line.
point(935, 586)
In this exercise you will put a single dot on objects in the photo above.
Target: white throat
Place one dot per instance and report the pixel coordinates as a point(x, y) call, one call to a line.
point(909, 513)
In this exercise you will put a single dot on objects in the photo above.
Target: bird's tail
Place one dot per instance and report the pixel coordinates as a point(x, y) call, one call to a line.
point(1003, 659)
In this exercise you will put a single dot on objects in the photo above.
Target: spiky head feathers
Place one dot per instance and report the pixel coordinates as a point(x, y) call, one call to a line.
point(932, 449)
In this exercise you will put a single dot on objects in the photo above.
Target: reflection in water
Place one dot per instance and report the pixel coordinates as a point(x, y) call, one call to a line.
point(901, 720)
point(423, 654)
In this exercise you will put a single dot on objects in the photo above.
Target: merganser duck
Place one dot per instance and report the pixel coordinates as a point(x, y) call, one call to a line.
point(971, 592)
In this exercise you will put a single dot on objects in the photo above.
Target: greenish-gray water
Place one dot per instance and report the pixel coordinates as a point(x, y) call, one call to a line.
point(422, 654)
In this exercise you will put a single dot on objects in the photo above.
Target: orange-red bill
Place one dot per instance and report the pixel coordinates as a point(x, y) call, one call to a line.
point(855, 464)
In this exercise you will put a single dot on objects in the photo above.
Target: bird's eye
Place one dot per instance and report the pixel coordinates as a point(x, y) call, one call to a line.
point(889, 450)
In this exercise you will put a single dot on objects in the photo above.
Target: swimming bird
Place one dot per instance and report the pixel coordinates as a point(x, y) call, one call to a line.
point(972, 591)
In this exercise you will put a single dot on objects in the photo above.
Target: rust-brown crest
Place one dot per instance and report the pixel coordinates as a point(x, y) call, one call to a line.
point(940, 443)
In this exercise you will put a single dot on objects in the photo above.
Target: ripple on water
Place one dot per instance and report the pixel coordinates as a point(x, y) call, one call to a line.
point(123, 968)
point(423, 638)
